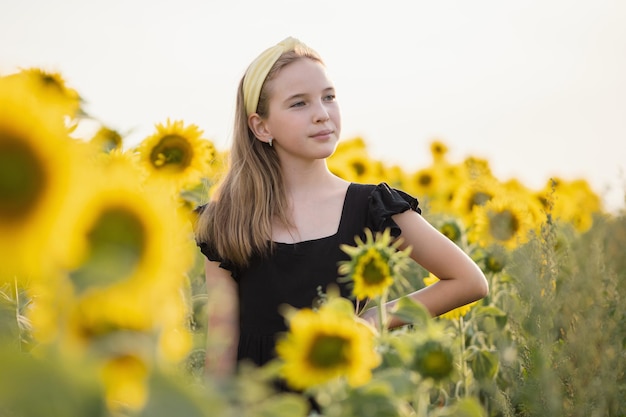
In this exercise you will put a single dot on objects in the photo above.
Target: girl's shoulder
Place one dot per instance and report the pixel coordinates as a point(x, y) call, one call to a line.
point(383, 202)
point(383, 197)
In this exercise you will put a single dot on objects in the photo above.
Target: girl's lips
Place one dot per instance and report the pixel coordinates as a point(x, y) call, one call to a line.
point(322, 134)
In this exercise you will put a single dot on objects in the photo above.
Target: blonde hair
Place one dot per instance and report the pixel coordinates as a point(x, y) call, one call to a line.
point(237, 222)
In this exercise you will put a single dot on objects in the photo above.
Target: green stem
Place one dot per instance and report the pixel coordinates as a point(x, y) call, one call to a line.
point(464, 373)
point(422, 399)
point(382, 313)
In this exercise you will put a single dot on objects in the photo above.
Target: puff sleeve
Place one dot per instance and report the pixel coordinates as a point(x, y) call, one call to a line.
point(211, 253)
point(384, 202)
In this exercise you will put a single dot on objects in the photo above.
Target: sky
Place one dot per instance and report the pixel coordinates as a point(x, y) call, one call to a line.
point(536, 87)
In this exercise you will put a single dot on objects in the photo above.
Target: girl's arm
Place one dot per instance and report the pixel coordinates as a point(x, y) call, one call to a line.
point(223, 320)
point(461, 281)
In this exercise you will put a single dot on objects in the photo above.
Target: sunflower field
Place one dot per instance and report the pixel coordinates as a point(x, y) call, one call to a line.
point(103, 303)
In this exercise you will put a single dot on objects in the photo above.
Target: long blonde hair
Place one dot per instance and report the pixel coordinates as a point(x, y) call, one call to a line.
point(237, 222)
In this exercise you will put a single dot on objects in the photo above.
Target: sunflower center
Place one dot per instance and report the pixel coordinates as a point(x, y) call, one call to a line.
point(372, 272)
point(172, 152)
point(433, 360)
point(52, 82)
point(479, 198)
point(117, 242)
point(22, 178)
point(425, 180)
point(359, 168)
point(436, 364)
point(328, 351)
point(503, 225)
point(451, 231)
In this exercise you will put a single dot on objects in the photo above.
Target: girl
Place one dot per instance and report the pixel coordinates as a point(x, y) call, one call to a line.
point(273, 230)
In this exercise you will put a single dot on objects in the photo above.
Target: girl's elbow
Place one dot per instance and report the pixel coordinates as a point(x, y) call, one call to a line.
point(481, 286)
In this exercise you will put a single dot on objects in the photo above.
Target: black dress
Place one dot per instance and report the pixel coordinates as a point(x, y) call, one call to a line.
point(293, 273)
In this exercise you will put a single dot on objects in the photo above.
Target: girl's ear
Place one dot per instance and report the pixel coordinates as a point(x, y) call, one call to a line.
point(259, 128)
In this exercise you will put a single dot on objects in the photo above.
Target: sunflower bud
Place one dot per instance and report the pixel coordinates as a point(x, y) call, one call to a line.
point(433, 360)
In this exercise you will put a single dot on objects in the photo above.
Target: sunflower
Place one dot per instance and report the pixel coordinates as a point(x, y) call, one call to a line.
point(107, 140)
point(324, 345)
point(503, 221)
point(349, 146)
point(356, 166)
point(452, 314)
point(436, 184)
point(396, 177)
point(572, 202)
point(434, 359)
point(477, 167)
point(125, 379)
point(177, 154)
point(373, 264)
point(517, 191)
point(474, 193)
point(438, 150)
point(128, 251)
point(38, 166)
point(125, 229)
point(452, 228)
point(54, 92)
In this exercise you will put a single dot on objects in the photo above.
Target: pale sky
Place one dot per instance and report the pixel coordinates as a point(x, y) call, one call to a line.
point(536, 87)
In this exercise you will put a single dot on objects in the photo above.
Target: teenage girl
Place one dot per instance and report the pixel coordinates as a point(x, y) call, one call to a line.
point(273, 229)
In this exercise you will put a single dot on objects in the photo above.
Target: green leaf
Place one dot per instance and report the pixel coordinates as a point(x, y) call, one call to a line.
point(466, 407)
point(399, 380)
point(488, 311)
point(172, 397)
point(54, 387)
point(9, 328)
point(410, 311)
point(484, 364)
point(491, 313)
point(372, 400)
point(284, 405)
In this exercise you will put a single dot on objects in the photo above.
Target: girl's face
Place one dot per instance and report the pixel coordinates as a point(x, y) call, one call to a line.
point(304, 119)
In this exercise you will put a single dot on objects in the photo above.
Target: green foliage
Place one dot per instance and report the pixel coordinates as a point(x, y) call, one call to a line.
point(32, 387)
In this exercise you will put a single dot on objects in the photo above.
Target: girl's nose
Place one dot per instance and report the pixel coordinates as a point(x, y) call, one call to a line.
point(321, 113)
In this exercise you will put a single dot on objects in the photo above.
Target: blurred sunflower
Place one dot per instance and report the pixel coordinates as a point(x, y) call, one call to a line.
point(452, 228)
point(356, 166)
point(396, 177)
point(53, 91)
point(125, 380)
point(501, 221)
point(110, 313)
point(348, 146)
point(438, 150)
point(107, 140)
point(177, 154)
point(373, 264)
point(452, 314)
point(39, 165)
point(517, 191)
point(473, 193)
point(324, 345)
point(436, 184)
point(124, 229)
point(477, 167)
point(433, 359)
point(572, 202)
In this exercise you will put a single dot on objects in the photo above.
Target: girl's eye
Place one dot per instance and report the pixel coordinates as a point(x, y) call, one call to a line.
point(330, 97)
point(298, 104)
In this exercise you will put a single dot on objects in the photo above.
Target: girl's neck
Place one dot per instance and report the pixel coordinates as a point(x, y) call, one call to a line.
point(309, 178)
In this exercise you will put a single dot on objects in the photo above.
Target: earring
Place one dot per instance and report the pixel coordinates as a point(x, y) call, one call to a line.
point(270, 141)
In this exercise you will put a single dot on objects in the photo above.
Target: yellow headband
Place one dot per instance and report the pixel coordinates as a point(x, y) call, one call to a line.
point(258, 70)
